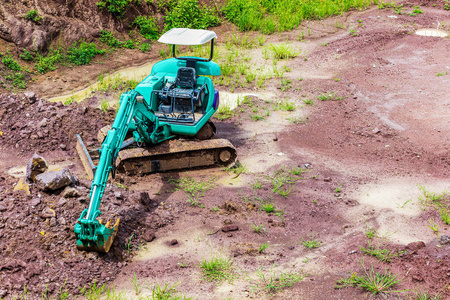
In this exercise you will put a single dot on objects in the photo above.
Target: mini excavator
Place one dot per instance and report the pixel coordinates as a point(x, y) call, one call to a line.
point(163, 124)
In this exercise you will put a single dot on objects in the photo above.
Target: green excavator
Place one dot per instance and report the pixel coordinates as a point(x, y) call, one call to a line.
point(163, 124)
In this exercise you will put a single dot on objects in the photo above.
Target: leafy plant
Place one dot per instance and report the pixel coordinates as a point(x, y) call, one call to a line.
point(262, 248)
point(83, 53)
point(49, 62)
point(166, 292)
point(27, 56)
point(282, 182)
point(416, 10)
point(268, 208)
point(145, 47)
point(147, 27)
point(11, 63)
point(298, 120)
point(114, 7)
point(371, 281)
point(104, 105)
point(109, 39)
point(329, 96)
point(33, 15)
point(217, 269)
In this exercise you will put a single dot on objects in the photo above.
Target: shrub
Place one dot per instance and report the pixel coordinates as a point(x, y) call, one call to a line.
point(187, 13)
point(11, 63)
point(109, 39)
point(83, 53)
point(33, 15)
point(48, 63)
point(129, 44)
point(26, 55)
point(145, 47)
point(115, 7)
point(147, 26)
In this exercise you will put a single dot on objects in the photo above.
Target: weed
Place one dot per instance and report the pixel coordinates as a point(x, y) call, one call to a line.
point(370, 281)
point(48, 63)
point(282, 183)
point(285, 105)
point(447, 5)
point(145, 47)
point(128, 245)
point(311, 243)
point(329, 96)
point(109, 39)
point(298, 120)
point(27, 56)
point(94, 292)
point(370, 232)
point(215, 209)
point(338, 189)
point(250, 76)
point(404, 203)
point(427, 296)
point(352, 31)
point(439, 201)
point(11, 63)
point(194, 189)
point(268, 208)
point(166, 292)
point(283, 51)
point(263, 248)
point(33, 15)
point(439, 74)
point(104, 105)
point(258, 228)
point(306, 260)
point(309, 102)
point(217, 269)
point(135, 283)
point(223, 112)
point(147, 27)
point(416, 10)
point(257, 185)
point(114, 7)
point(286, 84)
point(237, 169)
point(70, 100)
point(433, 226)
point(273, 282)
point(297, 171)
point(83, 53)
point(384, 255)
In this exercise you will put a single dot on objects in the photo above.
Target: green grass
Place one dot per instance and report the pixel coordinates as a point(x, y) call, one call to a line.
point(270, 16)
point(115, 7)
point(384, 255)
point(274, 282)
point(217, 269)
point(11, 63)
point(329, 97)
point(309, 102)
point(437, 200)
point(371, 281)
point(258, 228)
point(263, 248)
point(237, 169)
point(110, 40)
point(283, 51)
point(427, 296)
point(194, 189)
point(50, 61)
point(298, 120)
point(310, 243)
point(282, 182)
point(166, 292)
point(189, 14)
point(268, 208)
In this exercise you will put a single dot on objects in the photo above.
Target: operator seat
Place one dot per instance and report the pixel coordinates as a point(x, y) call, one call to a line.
point(184, 92)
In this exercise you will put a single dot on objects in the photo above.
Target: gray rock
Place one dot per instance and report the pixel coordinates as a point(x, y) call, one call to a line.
point(118, 195)
point(70, 192)
point(31, 96)
point(36, 166)
point(61, 202)
point(52, 181)
point(53, 222)
point(35, 202)
point(62, 221)
point(42, 123)
point(230, 227)
point(48, 213)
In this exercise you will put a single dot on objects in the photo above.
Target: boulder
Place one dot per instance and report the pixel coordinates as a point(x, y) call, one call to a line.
point(52, 181)
point(35, 166)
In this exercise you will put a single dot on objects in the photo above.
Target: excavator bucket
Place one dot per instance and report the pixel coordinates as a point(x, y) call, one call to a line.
point(94, 236)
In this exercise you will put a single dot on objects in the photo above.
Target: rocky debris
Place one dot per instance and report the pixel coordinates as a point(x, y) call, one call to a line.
point(230, 227)
point(31, 96)
point(70, 192)
point(52, 181)
point(47, 213)
point(37, 165)
point(444, 239)
point(35, 202)
point(22, 185)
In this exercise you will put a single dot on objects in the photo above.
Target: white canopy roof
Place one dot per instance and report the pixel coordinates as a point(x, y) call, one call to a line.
point(186, 36)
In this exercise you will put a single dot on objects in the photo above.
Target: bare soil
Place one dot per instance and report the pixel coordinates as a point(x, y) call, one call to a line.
point(365, 155)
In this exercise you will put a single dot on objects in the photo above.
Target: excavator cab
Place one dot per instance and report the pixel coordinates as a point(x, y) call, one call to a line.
point(177, 99)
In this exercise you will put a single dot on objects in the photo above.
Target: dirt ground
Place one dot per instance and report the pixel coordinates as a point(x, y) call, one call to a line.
point(364, 155)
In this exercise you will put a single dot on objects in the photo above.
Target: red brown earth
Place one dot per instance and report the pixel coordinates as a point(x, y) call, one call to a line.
point(389, 133)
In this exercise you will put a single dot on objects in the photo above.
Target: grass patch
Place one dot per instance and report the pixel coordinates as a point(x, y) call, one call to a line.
point(437, 200)
point(274, 282)
point(371, 281)
point(147, 27)
point(329, 97)
point(311, 242)
point(384, 255)
point(166, 292)
point(217, 269)
point(282, 51)
point(194, 189)
point(33, 15)
point(258, 228)
point(189, 14)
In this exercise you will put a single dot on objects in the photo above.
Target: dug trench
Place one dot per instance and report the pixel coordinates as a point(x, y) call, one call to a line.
point(341, 172)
